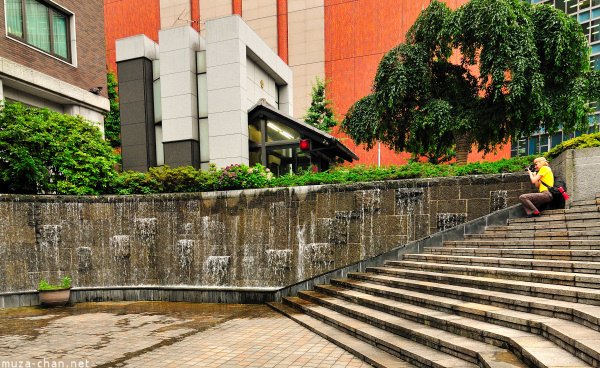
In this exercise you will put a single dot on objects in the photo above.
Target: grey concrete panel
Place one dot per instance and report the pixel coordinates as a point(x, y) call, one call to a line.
point(182, 153)
point(132, 113)
point(135, 134)
point(130, 70)
point(132, 91)
point(134, 157)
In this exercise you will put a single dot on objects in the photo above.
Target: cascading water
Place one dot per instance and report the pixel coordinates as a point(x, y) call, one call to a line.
point(260, 238)
point(279, 262)
point(499, 200)
point(216, 269)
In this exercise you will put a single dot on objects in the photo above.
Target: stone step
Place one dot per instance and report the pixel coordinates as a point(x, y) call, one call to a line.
point(462, 336)
point(559, 292)
point(542, 227)
point(587, 217)
point(365, 351)
point(585, 203)
point(417, 354)
point(583, 280)
point(548, 254)
point(546, 235)
point(525, 243)
point(505, 262)
point(579, 207)
point(420, 307)
point(583, 314)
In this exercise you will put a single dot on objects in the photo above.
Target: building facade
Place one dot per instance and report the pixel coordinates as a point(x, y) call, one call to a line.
point(52, 55)
point(341, 41)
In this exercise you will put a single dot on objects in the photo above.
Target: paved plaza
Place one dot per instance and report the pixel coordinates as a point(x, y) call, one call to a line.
point(156, 334)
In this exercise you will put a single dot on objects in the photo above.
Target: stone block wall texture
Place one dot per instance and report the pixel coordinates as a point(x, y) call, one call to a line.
point(250, 238)
point(580, 169)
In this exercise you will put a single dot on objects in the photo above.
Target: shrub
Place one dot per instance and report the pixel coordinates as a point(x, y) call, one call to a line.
point(45, 152)
point(584, 141)
point(411, 170)
point(167, 180)
point(242, 177)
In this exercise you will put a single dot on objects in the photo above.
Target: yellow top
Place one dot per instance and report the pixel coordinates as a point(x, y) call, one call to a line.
point(547, 177)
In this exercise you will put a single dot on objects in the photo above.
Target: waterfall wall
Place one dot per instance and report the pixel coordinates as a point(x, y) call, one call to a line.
point(243, 239)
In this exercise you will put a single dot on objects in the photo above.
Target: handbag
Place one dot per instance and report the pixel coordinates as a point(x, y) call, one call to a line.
point(557, 192)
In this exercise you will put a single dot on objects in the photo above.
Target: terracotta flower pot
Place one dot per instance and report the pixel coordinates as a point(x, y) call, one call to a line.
point(54, 297)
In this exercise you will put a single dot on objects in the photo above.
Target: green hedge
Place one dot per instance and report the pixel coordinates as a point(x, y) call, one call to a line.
point(188, 179)
point(584, 141)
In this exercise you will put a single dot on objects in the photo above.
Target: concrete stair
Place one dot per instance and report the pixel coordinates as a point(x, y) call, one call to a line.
point(522, 295)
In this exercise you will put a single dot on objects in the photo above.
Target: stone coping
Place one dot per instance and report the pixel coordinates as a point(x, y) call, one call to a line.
point(298, 190)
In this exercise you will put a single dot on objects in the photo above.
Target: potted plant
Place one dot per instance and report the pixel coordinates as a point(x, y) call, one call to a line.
point(55, 295)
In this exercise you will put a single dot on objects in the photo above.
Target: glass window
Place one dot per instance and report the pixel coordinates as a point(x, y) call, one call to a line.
point(280, 160)
point(557, 139)
point(595, 62)
point(595, 30)
point(254, 132)
point(14, 17)
point(584, 16)
point(534, 145)
point(584, 4)
point(279, 132)
point(59, 28)
point(39, 25)
point(255, 157)
point(544, 142)
point(559, 4)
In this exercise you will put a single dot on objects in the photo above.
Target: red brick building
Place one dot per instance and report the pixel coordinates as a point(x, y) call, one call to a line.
point(52, 53)
point(340, 40)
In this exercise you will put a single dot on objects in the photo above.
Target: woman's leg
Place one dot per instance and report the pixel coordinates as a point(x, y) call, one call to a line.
point(530, 201)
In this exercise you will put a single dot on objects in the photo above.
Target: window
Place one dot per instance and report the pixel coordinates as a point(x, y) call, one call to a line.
point(278, 149)
point(39, 25)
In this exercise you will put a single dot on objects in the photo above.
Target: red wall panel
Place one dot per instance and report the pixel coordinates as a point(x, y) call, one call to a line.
point(125, 18)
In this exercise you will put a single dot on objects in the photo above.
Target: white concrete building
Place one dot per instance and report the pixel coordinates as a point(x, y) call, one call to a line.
point(187, 102)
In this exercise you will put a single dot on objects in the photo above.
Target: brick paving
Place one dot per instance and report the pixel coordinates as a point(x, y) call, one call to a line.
point(151, 334)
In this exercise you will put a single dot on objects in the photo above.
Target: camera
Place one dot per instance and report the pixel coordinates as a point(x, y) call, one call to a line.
point(530, 168)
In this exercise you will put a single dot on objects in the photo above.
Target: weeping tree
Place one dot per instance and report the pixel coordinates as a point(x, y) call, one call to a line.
point(518, 69)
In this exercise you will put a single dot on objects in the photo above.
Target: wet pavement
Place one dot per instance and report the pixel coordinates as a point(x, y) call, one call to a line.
point(158, 334)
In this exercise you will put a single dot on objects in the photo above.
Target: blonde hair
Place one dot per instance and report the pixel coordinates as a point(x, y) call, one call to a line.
point(542, 160)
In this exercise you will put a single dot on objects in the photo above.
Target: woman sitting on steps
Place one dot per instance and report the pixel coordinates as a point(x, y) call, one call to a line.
point(543, 173)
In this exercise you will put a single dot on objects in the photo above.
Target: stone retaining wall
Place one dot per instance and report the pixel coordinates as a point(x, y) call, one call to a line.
point(243, 239)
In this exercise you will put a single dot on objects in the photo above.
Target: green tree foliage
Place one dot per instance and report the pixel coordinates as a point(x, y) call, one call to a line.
point(522, 68)
point(112, 120)
point(45, 152)
point(320, 113)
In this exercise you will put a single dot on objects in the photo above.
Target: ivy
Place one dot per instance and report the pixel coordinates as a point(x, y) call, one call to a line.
point(112, 120)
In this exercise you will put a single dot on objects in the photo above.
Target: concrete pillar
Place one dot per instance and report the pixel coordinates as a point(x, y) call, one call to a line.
point(179, 95)
point(138, 138)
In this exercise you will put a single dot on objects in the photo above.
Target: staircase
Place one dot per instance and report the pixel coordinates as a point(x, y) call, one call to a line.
point(522, 295)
